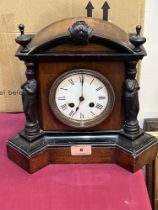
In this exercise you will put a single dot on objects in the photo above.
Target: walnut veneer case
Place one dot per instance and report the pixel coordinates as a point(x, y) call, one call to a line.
point(80, 98)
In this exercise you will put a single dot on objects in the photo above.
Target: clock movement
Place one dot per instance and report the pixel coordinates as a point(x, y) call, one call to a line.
point(80, 98)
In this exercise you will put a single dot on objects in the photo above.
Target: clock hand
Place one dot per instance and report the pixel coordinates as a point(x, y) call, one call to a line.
point(77, 108)
point(81, 98)
point(82, 81)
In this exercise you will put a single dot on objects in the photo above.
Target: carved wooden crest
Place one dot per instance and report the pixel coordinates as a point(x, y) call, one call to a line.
point(80, 32)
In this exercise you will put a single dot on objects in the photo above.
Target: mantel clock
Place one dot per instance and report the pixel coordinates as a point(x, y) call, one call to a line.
point(80, 98)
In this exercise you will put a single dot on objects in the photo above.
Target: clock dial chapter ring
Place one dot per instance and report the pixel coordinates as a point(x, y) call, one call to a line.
point(81, 98)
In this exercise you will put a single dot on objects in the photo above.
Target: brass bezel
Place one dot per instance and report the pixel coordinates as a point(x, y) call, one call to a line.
point(81, 123)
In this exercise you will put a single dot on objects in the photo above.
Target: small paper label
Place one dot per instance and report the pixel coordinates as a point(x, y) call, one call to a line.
point(81, 150)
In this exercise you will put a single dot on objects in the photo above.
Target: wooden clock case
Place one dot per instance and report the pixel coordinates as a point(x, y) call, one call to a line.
point(73, 44)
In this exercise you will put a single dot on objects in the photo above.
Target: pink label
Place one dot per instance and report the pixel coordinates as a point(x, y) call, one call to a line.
point(81, 150)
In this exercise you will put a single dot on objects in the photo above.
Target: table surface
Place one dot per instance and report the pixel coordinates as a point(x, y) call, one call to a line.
point(66, 186)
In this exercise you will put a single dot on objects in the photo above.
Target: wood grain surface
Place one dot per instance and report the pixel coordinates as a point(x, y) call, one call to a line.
point(48, 72)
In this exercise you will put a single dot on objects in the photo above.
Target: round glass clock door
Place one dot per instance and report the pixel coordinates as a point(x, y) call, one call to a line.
point(81, 98)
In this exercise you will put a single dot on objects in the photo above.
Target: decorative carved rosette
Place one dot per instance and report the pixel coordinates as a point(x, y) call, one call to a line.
point(80, 32)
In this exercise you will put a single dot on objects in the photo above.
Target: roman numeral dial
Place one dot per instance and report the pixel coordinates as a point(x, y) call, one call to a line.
point(81, 98)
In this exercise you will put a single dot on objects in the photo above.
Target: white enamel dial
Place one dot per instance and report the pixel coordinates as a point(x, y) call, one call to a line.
point(81, 98)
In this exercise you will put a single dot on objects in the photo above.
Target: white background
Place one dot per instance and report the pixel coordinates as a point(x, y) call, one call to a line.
point(148, 94)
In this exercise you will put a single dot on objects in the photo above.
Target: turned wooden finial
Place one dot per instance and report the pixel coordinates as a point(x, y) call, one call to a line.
point(138, 29)
point(23, 39)
point(137, 40)
point(21, 28)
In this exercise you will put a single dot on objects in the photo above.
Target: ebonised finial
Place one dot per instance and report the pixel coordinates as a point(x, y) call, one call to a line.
point(23, 39)
point(137, 40)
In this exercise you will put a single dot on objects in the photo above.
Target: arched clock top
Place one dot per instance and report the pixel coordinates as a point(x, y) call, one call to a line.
point(81, 32)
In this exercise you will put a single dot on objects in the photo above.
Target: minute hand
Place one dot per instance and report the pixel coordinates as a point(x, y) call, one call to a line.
point(82, 81)
point(81, 98)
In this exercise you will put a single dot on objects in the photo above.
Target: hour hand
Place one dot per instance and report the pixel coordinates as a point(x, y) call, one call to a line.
point(77, 108)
